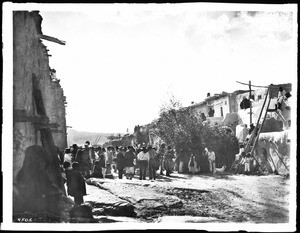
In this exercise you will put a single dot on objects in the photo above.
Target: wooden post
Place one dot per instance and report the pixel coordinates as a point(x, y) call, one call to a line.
point(250, 102)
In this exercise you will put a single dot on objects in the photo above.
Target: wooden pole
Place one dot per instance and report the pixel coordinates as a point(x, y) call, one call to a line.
point(250, 102)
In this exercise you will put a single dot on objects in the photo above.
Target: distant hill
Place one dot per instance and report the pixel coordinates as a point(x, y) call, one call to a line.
point(80, 137)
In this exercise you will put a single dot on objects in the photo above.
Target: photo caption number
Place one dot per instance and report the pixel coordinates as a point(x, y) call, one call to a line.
point(24, 219)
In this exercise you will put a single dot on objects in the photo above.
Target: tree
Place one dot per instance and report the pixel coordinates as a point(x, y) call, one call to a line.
point(184, 130)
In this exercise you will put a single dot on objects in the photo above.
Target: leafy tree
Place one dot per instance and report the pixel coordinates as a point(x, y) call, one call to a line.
point(185, 131)
point(141, 134)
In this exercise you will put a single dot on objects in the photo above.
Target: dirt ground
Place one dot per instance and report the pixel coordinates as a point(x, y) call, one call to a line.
point(197, 198)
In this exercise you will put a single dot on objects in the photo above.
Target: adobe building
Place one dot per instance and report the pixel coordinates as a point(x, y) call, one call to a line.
point(39, 122)
point(31, 71)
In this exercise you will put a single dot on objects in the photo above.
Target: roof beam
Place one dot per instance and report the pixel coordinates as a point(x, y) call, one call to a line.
point(52, 39)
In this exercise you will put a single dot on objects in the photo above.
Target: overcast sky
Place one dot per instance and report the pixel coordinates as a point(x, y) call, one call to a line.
point(121, 62)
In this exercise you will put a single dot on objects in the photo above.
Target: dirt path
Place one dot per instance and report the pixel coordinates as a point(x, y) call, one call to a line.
point(204, 198)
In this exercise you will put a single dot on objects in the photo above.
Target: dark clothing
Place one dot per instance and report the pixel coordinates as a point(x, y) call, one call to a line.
point(36, 190)
point(98, 169)
point(129, 158)
point(161, 154)
point(120, 164)
point(152, 168)
point(78, 199)
point(74, 154)
point(153, 163)
point(143, 168)
point(76, 184)
point(86, 164)
point(78, 156)
point(120, 161)
point(245, 104)
point(211, 112)
point(168, 161)
point(203, 163)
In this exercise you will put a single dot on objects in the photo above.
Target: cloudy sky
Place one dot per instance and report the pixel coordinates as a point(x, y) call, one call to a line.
point(121, 62)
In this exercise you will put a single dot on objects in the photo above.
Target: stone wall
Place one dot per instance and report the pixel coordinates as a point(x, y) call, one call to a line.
point(30, 58)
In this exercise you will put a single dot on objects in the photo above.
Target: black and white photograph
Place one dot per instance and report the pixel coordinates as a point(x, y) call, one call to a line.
point(141, 116)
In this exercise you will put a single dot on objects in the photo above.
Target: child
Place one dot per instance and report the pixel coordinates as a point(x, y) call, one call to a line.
point(76, 184)
point(97, 170)
point(247, 163)
point(242, 162)
point(102, 164)
point(193, 167)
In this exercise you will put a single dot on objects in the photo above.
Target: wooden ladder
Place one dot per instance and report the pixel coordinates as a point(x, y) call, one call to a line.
point(253, 140)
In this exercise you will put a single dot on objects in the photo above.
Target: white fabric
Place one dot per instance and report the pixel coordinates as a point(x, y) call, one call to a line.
point(129, 170)
point(143, 156)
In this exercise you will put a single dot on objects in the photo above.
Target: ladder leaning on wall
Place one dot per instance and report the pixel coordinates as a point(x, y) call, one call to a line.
point(253, 140)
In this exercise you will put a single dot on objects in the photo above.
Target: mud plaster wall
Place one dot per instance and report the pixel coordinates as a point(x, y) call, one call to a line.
point(276, 146)
point(30, 57)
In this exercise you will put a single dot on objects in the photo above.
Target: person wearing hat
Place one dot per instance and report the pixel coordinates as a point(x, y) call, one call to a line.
point(142, 159)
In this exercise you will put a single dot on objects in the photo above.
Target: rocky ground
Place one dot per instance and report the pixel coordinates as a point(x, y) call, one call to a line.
point(190, 198)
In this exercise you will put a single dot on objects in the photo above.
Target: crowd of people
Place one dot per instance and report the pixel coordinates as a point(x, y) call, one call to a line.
point(80, 163)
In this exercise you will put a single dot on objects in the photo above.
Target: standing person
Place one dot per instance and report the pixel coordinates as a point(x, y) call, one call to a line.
point(102, 159)
point(129, 158)
point(180, 160)
point(168, 160)
point(68, 156)
point(245, 133)
point(247, 161)
point(66, 168)
point(238, 158)
point(240, 167)
point(193, 166)
point(109, 160)
point(120, 161)
point(74, 151)
point(161, 154)
point(211, 112)
point(152, 162)
point(114, 159)
point(142, 159)
point(87, 160)
point(76, 184)
point(280, 98)
point(35, 191)
point(211, 160)
point(99, 164)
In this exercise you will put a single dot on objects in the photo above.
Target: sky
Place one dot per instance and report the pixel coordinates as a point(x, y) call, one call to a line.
point(122, 62)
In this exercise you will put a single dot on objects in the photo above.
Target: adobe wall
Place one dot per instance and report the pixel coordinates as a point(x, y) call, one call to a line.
point(274, 151)
point(30, 58)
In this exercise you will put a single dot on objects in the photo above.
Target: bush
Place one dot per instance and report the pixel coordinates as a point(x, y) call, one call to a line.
point(184, 130)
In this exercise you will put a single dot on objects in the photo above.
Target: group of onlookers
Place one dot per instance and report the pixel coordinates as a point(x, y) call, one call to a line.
point(79, 163)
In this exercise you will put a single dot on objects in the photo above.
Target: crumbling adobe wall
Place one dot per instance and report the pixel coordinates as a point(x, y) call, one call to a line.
point(30, 58)
point(274, 150)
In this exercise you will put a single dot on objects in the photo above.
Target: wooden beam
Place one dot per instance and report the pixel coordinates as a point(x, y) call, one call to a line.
point(250, 102)
point(52, 39)
point(47, 126)
point(20, 115)
point(251, 85)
